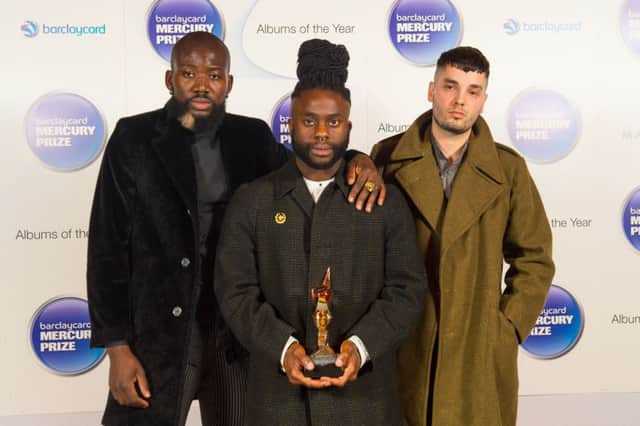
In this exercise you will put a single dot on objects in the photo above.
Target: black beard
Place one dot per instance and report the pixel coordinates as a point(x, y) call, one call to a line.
point(209, 124)
point(302, 152)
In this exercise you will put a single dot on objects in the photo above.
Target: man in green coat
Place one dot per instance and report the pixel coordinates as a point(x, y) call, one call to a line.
point(475, 206)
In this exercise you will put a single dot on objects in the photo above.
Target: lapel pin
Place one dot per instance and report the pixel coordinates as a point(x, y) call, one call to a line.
point(280, 218)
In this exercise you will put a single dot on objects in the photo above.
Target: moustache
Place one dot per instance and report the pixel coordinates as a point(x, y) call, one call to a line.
point(201, 96)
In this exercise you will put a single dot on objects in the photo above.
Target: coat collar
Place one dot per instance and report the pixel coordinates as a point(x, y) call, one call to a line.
point(478, 182)
point(289, 180)
point(482, 152)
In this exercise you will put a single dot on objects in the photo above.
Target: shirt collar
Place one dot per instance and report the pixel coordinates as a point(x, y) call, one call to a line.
point(441, 159)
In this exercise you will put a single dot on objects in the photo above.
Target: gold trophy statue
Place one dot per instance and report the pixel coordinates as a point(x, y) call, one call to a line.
point(324, 358)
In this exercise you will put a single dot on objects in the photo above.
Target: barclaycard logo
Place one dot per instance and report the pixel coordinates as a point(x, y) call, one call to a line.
point(511, 26)
point(29, 29)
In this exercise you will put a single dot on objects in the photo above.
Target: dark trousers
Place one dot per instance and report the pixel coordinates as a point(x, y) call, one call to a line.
point(220, 387)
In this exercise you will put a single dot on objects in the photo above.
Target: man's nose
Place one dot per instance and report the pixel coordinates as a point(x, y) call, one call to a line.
point(200, 84)
point(321, 131)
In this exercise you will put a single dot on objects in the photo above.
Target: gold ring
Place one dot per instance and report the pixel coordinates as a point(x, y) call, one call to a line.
point(370, 186)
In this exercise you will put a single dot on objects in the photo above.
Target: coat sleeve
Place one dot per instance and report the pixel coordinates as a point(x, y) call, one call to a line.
point(253, 321)
point(108, 263)
point(527, 251)
point(392, 316)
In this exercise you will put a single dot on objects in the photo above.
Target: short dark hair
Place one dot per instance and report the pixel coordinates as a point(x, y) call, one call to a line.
point(322, 65)
point(466, 58)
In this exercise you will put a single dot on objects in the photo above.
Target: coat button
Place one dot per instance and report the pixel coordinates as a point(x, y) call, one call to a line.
point(176, 311)
point(188, 212)
point(185, 262)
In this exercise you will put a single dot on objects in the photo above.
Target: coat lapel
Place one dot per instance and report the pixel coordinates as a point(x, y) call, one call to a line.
point(478, 183)
point(238, 160)
point(172, 143)
point(419, 178)
point(289, 180)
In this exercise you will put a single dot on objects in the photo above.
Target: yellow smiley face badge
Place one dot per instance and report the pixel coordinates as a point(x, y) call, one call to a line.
point(280, 218)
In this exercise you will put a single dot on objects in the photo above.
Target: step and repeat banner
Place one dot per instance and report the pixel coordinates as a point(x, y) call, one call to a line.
point(563, 92)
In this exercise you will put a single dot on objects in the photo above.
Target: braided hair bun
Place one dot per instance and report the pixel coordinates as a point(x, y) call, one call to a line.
point(322, 65)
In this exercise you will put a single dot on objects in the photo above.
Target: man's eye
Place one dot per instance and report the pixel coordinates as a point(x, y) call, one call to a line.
point(214, 76)
point(308, 122)
point(187, 74)
point(333, 123)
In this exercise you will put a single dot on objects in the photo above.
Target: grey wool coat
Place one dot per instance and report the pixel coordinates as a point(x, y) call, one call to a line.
point(265, 271)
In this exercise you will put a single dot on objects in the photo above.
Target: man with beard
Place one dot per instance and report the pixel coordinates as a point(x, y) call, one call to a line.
point(475, 207)
point(161, 193)
point(281, 235)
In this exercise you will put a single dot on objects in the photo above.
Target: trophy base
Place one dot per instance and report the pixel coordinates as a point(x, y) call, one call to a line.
point(324, 366)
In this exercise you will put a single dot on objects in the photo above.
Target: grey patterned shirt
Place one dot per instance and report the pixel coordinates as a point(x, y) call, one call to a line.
point(447, 170)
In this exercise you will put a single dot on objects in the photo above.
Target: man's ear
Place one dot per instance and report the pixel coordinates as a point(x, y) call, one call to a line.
point(430, 91)
point(486, 95)
point(168, 76)
point(229, 84)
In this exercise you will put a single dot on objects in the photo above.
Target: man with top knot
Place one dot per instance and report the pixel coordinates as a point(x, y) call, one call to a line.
point(282, 233)
point(163, 187)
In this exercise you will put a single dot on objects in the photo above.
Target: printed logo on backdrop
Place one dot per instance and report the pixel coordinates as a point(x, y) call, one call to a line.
point(60, 333)
point(31, 29)
point(170, 20)
point(420, 30)
point(512, 26)
point(280, 121)
point(631, 218)
point(630, 25)
point(543, 125)
point(558, 327)
point(65, 131)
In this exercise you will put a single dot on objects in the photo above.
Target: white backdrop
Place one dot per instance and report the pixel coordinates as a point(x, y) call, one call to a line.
point(575, 48)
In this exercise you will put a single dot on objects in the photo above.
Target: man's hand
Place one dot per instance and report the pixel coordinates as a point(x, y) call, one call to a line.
point(295, 359)
point(349, 361)
point(124, 372)
point(366, 183)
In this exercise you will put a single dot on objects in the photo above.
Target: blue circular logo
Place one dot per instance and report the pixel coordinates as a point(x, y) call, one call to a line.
point(543, 125)
point(630, 25)
point(60, 334)
point(170, 20)
point(280, 121)
point(511, 26)
point(65, 131)
point(631, 219)
point(421, 30)
point(558, 327)
point(29, 29)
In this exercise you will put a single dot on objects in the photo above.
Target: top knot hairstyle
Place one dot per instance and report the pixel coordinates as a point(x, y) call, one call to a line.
point(322, 65)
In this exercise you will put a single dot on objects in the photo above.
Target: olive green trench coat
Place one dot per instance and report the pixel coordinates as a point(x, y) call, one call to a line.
point(494, 214)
